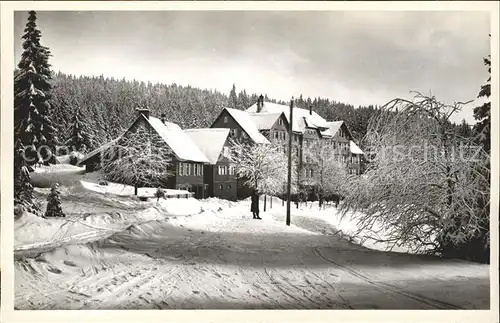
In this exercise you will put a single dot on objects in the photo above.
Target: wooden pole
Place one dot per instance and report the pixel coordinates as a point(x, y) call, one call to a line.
point(265, 202)
point(289, 182)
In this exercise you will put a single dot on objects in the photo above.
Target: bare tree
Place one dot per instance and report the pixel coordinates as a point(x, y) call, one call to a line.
point(329, 176)
point(140, 158)
point(264, 166)
point(426, 187)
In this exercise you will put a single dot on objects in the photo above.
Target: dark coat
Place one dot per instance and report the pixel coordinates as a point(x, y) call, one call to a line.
point(254, 207)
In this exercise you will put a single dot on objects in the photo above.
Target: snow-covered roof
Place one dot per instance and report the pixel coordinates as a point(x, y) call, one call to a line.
point(355, 149)
point(302, 118)
point(209, 140)
point(265, 121)
point(181, 144)
point(245, 121)
point(98, 150)
point(333, 127)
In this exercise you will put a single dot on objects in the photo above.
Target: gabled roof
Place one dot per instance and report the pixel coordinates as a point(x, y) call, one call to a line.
point(210, 141)
point(246, 123)
point(98, 150)
point(180, 143)
point(301, 117)
point(355, 149)
point(265, 121)
point(333, 128)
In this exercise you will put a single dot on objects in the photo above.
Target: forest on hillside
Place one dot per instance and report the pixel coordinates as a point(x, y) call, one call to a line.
point(108, 105)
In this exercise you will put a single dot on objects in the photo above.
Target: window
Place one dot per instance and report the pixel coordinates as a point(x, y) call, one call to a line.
point(221, 187)
point(229, 186)
point(226, 119)
point(232, 133)
point(225, 152)
point(280, 122)
point(276, 135)
point(201, 170)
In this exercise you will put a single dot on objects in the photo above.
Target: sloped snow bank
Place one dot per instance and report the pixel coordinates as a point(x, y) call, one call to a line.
point(35, 232)
point(64, 174)
point(127, 190)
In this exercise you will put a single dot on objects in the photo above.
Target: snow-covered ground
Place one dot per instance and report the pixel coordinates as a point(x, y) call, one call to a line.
point(115, 252)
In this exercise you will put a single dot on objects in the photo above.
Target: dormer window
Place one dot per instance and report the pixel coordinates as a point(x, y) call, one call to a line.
point(226, 119)
point(280, 122)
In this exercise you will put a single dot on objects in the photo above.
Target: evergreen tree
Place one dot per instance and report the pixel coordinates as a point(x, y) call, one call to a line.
point(233, 99)
point(32, 124)
point(464, 130)
point(23, 192)
point(79, 137)
point(483, 112)
point(54, 208)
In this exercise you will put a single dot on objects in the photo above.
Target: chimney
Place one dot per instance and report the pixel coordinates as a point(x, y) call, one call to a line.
point(310, 109)
point(163, 118)
point(260, 103)
point(144, 111)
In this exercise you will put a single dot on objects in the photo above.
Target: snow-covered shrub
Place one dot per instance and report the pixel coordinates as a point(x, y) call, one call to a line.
point(159, 194)
point(74, 158)
point(54, 208)
point(426, 188)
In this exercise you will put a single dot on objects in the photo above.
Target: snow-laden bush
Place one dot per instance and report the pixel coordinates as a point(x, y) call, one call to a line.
point(54, 208)
point(426, 188)
point(75, 157)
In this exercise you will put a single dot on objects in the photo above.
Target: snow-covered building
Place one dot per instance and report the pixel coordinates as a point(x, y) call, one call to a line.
point(271, 120)
point(219, 174)
point(187, 166)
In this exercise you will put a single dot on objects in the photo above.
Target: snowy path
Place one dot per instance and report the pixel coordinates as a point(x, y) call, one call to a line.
point(224, 259)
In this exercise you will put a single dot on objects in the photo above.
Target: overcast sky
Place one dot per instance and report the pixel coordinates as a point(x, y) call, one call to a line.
point(359, 58)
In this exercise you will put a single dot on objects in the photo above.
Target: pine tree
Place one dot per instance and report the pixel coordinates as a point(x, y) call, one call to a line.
point(79, 139)
point(233, 98)
point(23, 192)
point(483, 112)
point(32, 124)
point(54, 208)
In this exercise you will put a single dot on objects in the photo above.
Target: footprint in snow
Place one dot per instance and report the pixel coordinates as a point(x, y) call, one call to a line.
point(196, 292)
point(217, 275)
point(54, 270)
point(69, 263)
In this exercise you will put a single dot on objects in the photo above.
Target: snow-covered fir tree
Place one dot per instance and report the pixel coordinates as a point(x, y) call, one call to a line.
point(32, 123)
point(54, 208)
point(23, 192)
point(482, 113)
point(79, 137)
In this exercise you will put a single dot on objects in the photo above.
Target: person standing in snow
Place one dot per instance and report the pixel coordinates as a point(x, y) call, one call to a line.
point(254, 207)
